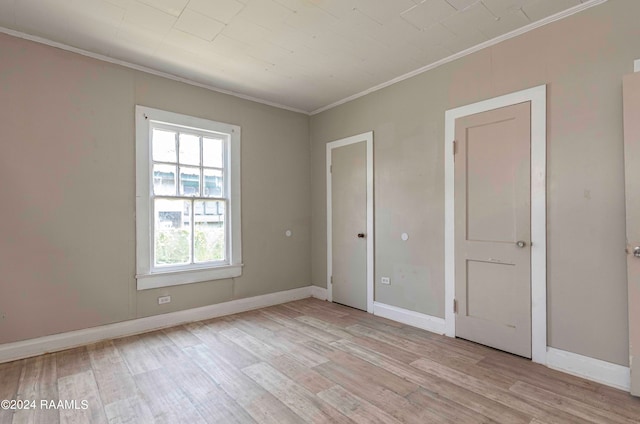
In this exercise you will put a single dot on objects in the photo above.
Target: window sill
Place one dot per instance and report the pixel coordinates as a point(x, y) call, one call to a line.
point(177, 278)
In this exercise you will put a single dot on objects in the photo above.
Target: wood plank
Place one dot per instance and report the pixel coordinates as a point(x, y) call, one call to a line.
point(213, 404)
point(77, 388)
point(128, 411)
point(72, 361)
point(300, 327)
point(310, 408)
point(447, 409)
point(238, 386)
point(262, 406)
point(564, 384)
point(111, 372)
point(137, 355)
point(282, 310)
point(373, 374)
point(301, 374)
point(465, 363)
point(324, 361)
point(355, 408)
point(571, 406)
point(224, 347)
point(385, 349)
point(251, 344)
point(390, 402)
point(166, 401)
point(419, 347)
point(329, 316)
point(38, 381)
point(220, 408)
point(196, 384)
point(155, 339)
point(210, 400)
point(218, 324)
point(492, 392)
point(436, 385)
point(325, 326)
point(284, 342)
point(9, 380)
point(181, 336)
point(479, 404)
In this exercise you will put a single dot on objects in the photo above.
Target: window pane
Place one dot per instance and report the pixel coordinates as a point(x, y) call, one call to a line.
point(189, 181)
point(172, 236)
point(212, 152)
point(189, 149)
point(164, 146)
point(164, 180)
point(213, 183)
point(209, 227)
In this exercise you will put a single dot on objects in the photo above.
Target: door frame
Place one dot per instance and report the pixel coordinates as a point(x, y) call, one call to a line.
point(538, 98)
point(368, 138)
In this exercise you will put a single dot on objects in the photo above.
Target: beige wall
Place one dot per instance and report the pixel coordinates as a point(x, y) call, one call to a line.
point(582, 59)
point(67, 245)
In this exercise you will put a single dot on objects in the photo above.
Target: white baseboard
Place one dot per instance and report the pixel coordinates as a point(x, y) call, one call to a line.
point(613, 375)
point(405, 316)
point(62, 341)
point(319, 292)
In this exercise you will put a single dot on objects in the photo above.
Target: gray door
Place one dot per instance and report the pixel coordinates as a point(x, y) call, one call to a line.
point(631, 90)
point(349, 224)
point(493, 228)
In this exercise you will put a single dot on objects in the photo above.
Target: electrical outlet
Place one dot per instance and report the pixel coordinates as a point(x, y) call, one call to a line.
point(164, 299)
point(385, 280)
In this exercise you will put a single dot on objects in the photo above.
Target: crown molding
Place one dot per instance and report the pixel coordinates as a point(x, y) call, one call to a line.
point(549, 19)
point(97, 56)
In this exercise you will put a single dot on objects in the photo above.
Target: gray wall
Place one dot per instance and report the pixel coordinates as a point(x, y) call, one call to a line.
point(67, 228)
point(67, 248)
point(582, 59)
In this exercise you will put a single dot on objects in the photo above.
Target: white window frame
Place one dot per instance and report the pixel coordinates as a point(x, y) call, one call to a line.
point(149, 276)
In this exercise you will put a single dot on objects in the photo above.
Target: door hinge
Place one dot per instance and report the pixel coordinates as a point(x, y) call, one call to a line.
point(330, 169)
point(331, 279)
point(454, 147)
point(455, 306)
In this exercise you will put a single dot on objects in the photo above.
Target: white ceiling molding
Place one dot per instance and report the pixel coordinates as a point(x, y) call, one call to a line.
point(141, 68)
point(560, 15)
point(287, 64)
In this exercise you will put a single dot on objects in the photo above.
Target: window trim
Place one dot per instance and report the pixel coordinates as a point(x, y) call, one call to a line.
point(147, 275)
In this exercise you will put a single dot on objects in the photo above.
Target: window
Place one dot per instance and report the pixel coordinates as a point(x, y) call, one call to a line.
point(187, 199)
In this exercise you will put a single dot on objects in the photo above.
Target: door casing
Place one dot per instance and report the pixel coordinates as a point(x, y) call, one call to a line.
point(537, 96)
point(631, 108)
point(368, 139)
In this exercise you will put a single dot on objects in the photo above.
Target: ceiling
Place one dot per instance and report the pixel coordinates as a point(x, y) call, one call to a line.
point(301, 54)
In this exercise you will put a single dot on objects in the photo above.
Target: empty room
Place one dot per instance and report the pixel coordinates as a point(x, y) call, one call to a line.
point(319, 211)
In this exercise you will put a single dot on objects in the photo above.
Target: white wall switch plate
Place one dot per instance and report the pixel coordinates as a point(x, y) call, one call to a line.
point(164, 299)
point(385, 280)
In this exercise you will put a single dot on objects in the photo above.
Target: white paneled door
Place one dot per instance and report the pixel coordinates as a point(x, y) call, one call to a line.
point(493, 228)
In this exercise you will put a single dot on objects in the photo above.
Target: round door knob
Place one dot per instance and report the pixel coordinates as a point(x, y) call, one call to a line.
point(521, 244)
point(360, 235)
point(636, 252)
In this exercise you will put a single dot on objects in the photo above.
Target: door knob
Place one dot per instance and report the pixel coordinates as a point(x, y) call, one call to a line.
point(360, 235)
point(636, 251)
point(521, 244)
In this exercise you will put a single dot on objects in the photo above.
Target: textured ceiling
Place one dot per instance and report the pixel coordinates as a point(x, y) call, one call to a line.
point(303, 54)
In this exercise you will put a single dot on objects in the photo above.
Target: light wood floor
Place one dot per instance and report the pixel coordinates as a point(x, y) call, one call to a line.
point(305, 361)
